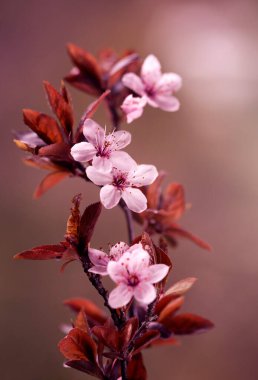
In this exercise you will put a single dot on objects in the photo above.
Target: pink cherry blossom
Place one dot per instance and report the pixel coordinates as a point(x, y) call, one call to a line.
point(134, 277)
point(102, 149)
point(120, 183)
point(153, 87)
point(101, 259)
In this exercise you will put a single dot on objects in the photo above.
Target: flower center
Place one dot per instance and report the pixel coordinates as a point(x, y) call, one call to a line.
point(133, 280)
point(120, 181)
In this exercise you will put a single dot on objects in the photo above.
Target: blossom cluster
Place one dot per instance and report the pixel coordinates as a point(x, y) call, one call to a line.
point(113, 169)
point(130, 269)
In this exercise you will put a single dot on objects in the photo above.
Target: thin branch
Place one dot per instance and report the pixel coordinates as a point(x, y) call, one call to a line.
point(129, 220)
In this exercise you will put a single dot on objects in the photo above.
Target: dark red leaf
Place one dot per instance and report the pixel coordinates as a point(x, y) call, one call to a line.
point(153, 191)
point(108, 335)
point(49, 181)
point(174, 229)
point(43, 252)
point(61, 108)
point(81, 322)
point(45, 126)
point(88, 221)
point(128, 332)
point(92, 311)
point(145, 340)
point(174, 200)
point(170, 309)
point(85, 367)
point(57, 152)
point(187, 323)
point(136, 369)
point(78, 345)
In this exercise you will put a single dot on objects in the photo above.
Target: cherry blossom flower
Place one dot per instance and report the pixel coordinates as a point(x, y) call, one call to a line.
point(101, 259)
point(102, 149)
point(153, 87)
point(134, 277)
point(120, 183)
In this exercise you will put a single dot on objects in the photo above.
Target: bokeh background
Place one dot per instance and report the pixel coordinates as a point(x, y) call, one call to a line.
point(210, 145)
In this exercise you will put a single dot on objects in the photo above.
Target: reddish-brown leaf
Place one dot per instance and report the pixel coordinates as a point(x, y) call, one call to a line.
point(136, 369)
point(145, 340)
point(187, 323)
point(121, 67)
point(81, 322)
point(86, 367)
point(170, 309)
point(174, 230)
point(73, 222)
point(45, 126)
point(153, 192)
point(88, 221)
point(92, 311)
point(78, 345)
point(108, 335)
point(57, 152)
point(23, 146)
point(49, 181)
point(87, 64)
point(41, 163)
point(61, 108)
point(165, 342)
point(174, 200)
point(176, 290)
point(128, 332)
point(43, 252)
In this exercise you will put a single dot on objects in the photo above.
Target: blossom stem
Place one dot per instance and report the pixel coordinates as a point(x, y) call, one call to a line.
point(129, 220)
point(124, 370)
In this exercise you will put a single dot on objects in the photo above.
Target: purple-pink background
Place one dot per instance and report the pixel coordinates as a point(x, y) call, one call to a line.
point(210, 146)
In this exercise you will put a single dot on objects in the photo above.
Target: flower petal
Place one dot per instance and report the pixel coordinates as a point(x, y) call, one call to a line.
point(168, 83)
point(102, 164)
point(133, 107)
point(133, 82)
point(120, 296)
point(83, 152)
point(118, 249)
point(122, 161)
point(167, 102)
point(99, 269)
point(143, 175)
point(93, 132)
point(119, 139)
point(117, 272)
point(155, 273)
point(98, 257)
point(134, 199)
point(151, 70)
point(136, 261)
point(145, 292)
point(110, 196)
point(97, 177)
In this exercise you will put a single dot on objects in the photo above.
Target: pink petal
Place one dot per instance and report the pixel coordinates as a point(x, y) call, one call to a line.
point(102, 164)
point(110, 196)
point(119, 139)
point(117, 272)
point(143, 175)
point(93, 132)
point(98, 257)
point(118, 249)
point(167, 102)
point(168, 84)
point(133, 107)
point(151, 71)
point(83, 152)
point(99, 269)
point(133, 82)
point(155, 273)
point(97, 177)
point(145, 292)
point(134, 199)
point(137, 261)
point(122, 161)
point(120, 296)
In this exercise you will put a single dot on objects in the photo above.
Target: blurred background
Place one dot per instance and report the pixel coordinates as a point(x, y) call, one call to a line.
point(210, 146)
